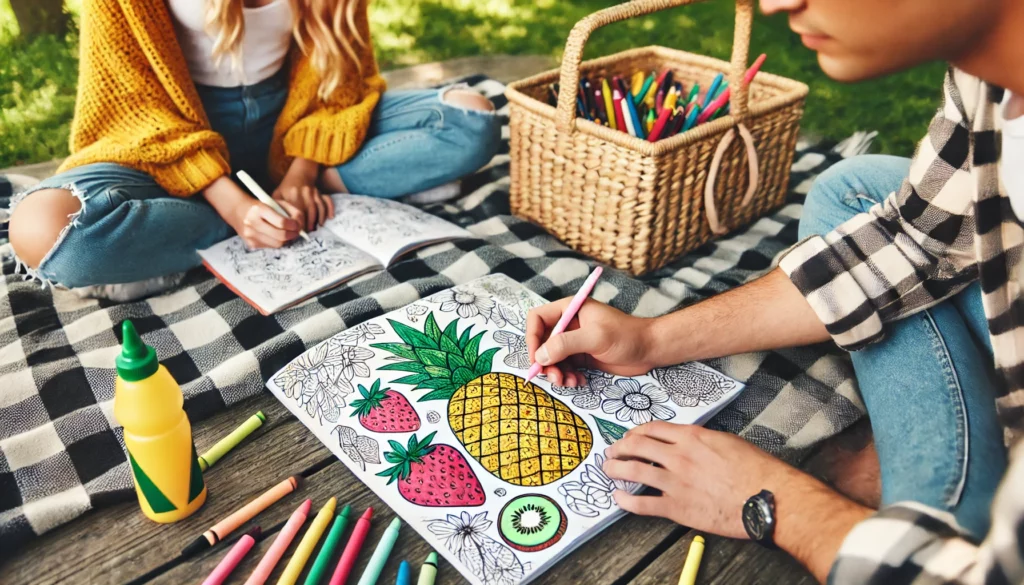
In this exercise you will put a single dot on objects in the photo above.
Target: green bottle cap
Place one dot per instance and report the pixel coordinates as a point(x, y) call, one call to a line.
point(137, 360)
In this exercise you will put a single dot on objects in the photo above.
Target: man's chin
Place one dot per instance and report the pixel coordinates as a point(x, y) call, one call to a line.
point(851, 70)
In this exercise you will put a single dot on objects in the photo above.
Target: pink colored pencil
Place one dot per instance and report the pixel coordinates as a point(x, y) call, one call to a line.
point(569, 313)
point(659, 126)
point(723, 98)
point(234, 556)
point(351, 552)
point(276, 550)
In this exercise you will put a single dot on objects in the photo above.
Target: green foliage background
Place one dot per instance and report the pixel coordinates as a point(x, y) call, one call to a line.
point(37, 76)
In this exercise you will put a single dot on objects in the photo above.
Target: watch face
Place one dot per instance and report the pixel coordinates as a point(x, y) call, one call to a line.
point(754, 520)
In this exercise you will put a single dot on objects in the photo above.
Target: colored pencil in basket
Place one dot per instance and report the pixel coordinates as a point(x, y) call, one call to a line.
point(694, 92)
point(639, 98)
point(691, 118)
point(670, 100)
point(634, 119)
point(609, 105)
point(637, 83)
point(602, 115)
point(620, 120)
point(712, 90)
point(659, 126)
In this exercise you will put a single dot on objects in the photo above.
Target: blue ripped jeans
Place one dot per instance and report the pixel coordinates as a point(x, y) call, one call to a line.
point(130, 229)
point(929, 385)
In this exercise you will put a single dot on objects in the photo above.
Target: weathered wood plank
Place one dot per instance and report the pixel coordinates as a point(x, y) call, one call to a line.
point(118, 543)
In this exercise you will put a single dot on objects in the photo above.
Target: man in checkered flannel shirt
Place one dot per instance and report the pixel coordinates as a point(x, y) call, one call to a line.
point(914, 267)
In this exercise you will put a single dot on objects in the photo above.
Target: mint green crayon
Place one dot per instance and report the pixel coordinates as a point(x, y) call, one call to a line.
point(429, 571)
point(380, 555)
point(323, 560)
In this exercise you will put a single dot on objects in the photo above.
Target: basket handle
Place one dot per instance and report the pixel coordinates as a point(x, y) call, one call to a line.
point(565, 117)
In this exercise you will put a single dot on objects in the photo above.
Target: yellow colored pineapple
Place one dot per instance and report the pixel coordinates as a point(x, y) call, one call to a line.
point(515, 429)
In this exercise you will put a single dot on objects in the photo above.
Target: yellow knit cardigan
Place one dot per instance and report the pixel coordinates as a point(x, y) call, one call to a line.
point(138, 107)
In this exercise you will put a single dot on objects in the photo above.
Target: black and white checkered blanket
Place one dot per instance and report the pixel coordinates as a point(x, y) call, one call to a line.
point(61, 452)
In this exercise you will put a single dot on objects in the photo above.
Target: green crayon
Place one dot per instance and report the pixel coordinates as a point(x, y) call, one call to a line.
point(429, 571)
point(380, 555)
point(208, 459)
point(323, 560)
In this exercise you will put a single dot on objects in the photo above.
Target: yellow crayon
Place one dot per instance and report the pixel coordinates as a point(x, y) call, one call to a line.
point(208, 459)
point(692, 564)
point(670, 99)
point(302, 553)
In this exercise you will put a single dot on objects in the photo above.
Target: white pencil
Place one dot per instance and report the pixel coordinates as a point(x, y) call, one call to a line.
point(263, 197)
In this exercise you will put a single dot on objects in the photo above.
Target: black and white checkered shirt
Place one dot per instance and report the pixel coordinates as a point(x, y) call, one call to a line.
point(950, 224)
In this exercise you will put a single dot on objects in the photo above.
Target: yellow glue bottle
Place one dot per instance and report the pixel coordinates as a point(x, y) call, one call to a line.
point(148, 404)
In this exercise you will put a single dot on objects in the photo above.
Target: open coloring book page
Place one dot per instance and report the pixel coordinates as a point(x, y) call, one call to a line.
point(387, 229)
point(272, 278)
point(428, 406)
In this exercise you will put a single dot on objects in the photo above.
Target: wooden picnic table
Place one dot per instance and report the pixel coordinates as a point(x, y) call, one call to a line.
point(117, 544)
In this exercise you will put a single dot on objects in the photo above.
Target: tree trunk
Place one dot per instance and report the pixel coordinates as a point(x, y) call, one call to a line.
point(36, 17)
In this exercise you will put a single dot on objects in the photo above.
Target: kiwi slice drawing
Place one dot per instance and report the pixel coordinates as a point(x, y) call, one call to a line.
point(531, 523)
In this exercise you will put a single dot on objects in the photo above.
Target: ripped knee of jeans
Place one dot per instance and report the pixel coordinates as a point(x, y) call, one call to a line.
point(462, 97)
point(39, 225)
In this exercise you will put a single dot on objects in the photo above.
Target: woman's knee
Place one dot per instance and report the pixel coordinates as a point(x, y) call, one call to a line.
point(38, 221)
point(468, 99)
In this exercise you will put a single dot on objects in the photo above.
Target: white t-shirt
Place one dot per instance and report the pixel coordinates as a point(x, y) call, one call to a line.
point(265, 44)
point(1011, 164)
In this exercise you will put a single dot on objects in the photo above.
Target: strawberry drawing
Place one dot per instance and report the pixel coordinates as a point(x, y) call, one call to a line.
point(385, 411)
point(432, 475)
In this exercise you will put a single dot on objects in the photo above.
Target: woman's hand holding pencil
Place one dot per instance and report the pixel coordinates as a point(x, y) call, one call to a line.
point(257, 223)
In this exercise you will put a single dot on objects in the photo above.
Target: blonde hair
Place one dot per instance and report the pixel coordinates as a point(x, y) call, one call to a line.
point(323, 29)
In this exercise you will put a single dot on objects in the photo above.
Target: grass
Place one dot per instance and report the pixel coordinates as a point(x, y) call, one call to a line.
point(37, 76)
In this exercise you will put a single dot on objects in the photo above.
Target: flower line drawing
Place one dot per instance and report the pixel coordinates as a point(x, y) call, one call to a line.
point(588, 395)
point(464, 303)
point(630, 401)
point(593, 491)
point(360, 333)
point(465, 537)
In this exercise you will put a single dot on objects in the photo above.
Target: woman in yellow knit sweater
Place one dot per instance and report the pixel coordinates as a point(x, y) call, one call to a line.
point(176, 96)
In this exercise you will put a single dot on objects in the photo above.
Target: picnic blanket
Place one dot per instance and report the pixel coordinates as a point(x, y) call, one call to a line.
point(62, 453)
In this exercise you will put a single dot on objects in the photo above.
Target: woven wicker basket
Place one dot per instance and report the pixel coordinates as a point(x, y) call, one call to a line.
point(634, 204)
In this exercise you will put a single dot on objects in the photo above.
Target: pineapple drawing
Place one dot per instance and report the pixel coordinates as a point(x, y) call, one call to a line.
point(514, 429)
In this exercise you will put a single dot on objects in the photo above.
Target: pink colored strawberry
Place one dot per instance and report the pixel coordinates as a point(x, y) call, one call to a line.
point(385, 411)
point(432, 475)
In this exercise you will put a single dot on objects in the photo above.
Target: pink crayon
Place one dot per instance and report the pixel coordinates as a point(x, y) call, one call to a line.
point(276, 551)
point(569, 313)
point(234, 556)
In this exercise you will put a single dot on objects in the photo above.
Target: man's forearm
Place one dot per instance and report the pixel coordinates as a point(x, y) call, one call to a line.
point(768, 313)
point(812, 520)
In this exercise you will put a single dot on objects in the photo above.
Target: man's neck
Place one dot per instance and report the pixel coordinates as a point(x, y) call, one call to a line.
point(998, 57)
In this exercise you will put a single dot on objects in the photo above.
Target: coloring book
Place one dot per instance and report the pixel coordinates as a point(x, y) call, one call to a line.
point(365, 234)
point(428, 406)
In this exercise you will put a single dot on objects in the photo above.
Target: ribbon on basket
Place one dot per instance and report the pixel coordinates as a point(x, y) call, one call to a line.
point(716, 162)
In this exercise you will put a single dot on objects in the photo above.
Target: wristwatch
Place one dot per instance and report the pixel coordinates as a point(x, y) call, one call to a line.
point(759, 518)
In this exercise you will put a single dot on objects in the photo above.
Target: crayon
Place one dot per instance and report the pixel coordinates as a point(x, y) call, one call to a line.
point(620, 123)
point(581, 110)
point(713, 107)
point(276, 551)
point(211, 457)
point(588, 98)
point(650, 121)
point(330, 544)
point(380, 554)
point(638, 82)
point(312, 536)
point(404, 574)
point(712, 90)
point(692, 563)
point(659, 126)
point(677, 122)
point(659, 102)
point(608, 104)
point(752, 71)
point(234, 556)
point(428, 572)
point(351, 552)
point(226, 526)
point(639, 98)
